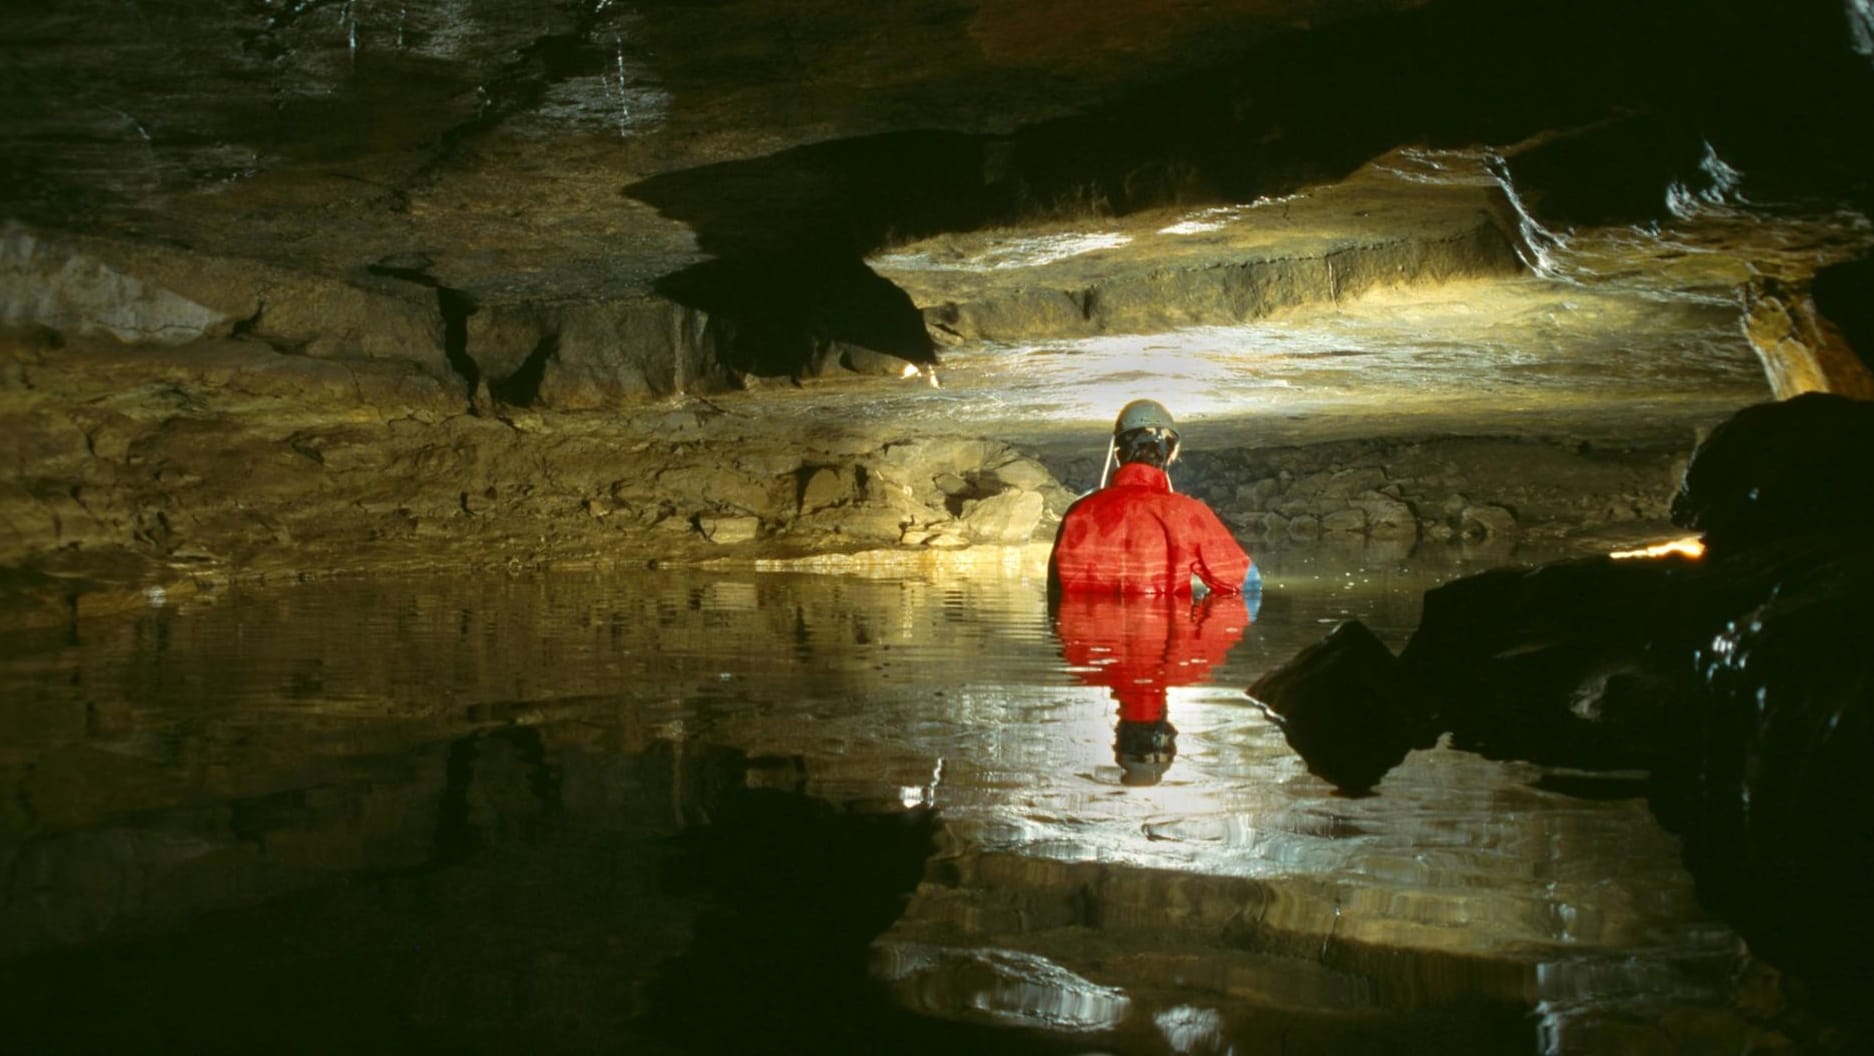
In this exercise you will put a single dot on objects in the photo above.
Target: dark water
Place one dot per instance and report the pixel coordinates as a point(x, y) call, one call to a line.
point(781, 812)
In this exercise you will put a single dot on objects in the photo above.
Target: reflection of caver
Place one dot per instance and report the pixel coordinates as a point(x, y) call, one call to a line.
point(1138, 646)
point(1120, 577)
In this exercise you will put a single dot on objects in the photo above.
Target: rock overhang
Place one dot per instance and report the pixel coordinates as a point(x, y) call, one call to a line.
point(574, 150)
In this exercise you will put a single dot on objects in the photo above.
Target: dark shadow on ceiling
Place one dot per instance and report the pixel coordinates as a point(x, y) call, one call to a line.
point(803, 314)
point(1301, 108)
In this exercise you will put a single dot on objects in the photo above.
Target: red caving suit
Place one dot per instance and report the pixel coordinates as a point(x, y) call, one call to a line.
point(1136, 536)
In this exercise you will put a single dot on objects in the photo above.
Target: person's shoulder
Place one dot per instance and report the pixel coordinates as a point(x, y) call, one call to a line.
point(1192, 506)
point(1102, 496)
point(1179, 498)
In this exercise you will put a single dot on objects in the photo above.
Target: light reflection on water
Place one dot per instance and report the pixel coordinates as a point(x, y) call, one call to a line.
point(218, 755)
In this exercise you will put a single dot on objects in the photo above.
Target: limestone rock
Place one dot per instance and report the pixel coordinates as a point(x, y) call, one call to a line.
point(615, 352)
point(49, 283)
point(1347, 483)
point(826, 486)
point(1008, 518)
point(1485, 522)
point(1256, 497)
point(1346, 708)
point(166, 297)
point(727, 530)
point(1023, 473)
point(1802, 350)
point(1516, 658)
point(1387, 518)
point(909, 510)
point(1767, 773)
point(862, 360)
point(874, 524)
point(952, 485)
point(1345, 521)
point(720, 485)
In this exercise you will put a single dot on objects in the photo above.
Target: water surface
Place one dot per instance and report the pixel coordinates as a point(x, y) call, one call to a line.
point(665, 811)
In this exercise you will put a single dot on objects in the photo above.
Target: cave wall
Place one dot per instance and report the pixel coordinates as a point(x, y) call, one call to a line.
point(269, 273)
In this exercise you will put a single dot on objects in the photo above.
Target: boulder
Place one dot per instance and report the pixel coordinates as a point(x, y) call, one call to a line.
point(728, 529)
point(1387, 517)
point(1766, 769)
point(824, 486)
point(1346, 708)
point(1776, 471)
point(1485, 522)
point(1344, 521)
point(1008, 518)
point(1515, 656)
point(1024, 473)
point(1741, 685)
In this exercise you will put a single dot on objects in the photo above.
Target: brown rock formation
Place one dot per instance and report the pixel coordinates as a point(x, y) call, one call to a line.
point(1802, 350)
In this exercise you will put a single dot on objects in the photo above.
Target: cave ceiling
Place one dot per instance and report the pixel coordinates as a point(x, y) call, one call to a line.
point(500, 146)
point(523, 149)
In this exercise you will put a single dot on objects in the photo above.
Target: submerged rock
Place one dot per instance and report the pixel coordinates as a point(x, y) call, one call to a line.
point(1347, 708)
point(1741, 683)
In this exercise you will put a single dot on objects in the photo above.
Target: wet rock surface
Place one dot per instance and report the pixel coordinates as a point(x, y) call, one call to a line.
point(1738, 683)
point(243, 463)
point(1347, 708)
point(1780, 472)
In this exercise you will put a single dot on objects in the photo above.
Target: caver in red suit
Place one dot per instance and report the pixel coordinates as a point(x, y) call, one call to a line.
point(1138, 646)
point(1120, 578)
point(1135, 535)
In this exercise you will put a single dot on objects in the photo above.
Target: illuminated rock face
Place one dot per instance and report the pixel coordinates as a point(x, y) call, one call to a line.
point(342, 284)
point(1807, 348)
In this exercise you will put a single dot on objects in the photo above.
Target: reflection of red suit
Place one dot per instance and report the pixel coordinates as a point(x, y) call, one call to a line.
point(1137, 536)
point(1140, 644)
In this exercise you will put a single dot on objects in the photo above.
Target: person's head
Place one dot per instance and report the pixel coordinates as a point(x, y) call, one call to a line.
point(1144, 432)
point(1144, 750)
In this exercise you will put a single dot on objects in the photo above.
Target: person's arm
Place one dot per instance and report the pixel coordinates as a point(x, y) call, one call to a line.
point(1221, 563)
